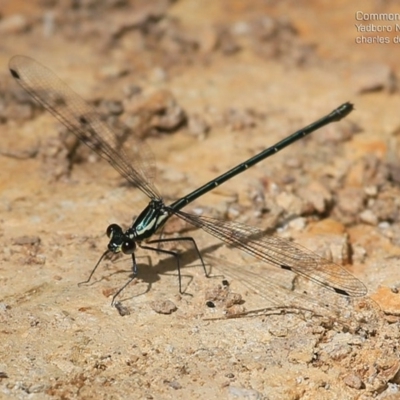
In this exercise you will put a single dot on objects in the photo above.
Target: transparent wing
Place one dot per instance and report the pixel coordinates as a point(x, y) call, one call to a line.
point(82, 119)
point(281, 253)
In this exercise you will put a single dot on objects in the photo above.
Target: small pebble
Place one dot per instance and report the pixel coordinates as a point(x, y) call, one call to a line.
point(369, 217)
point(163, 306)
point(353, 381)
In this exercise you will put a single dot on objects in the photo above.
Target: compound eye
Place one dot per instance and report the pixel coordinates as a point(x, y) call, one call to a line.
point(128, 247)
point(112, 229)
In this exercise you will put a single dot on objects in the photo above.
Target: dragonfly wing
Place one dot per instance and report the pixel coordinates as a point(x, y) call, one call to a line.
point(280, 252)
point(83, 120)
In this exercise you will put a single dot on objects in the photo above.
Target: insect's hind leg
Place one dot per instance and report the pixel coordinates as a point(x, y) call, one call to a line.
point(175, 254)
point(187, 239)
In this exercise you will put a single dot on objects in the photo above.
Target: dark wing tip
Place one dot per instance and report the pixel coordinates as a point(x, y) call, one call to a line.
point(341, 291)
point(14, 73)
point(83, 120)
point(16, 62)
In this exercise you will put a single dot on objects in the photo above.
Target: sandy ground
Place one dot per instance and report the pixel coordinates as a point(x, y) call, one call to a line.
point(207, 85)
